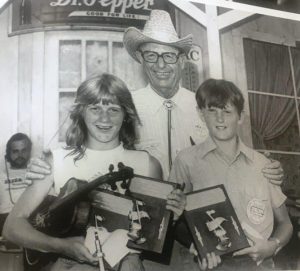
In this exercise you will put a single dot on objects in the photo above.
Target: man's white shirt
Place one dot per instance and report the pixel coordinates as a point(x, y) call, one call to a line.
point(16, 183)
point(186, 125)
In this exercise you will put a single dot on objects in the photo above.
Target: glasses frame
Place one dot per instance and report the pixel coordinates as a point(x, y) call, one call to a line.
point(160, 55)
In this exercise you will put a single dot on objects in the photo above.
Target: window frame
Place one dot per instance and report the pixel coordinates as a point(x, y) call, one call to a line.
point(51, 74)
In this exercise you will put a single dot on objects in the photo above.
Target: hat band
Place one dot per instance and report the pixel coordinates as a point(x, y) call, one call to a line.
point(161, 36)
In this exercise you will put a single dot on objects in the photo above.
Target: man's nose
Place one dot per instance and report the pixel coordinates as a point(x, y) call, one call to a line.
point(20, 155)
point(160, 62)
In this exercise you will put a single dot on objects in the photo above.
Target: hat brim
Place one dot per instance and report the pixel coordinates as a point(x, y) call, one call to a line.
point(133, 38)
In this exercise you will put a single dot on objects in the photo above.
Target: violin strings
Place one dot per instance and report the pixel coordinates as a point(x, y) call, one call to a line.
point(147, 178)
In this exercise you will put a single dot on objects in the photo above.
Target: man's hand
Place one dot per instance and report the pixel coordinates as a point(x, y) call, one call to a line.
point(176, 202)
point(74, 248)
point(273, 171)
point(260, 250)
point(211, 261)
point(38, 168)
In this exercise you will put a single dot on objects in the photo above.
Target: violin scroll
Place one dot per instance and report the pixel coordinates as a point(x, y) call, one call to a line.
point(123, 174)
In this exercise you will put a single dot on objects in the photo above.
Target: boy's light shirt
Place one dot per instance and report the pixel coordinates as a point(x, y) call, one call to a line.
point(251, 194)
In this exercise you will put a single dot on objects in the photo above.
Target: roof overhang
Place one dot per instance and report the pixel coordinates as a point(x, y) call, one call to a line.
point(4, 4)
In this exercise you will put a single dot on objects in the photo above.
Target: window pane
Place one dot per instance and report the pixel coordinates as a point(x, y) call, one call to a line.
point(268, 67)
point(291, 167)
point(69, 63)
point(127, 68)
point(296, 65)
point(288, 141)
point(274, 123)
point(66, 100)
point(96, 57)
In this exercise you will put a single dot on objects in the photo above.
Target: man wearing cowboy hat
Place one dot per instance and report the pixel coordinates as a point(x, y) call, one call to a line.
point(161, 52)
point(168, 111)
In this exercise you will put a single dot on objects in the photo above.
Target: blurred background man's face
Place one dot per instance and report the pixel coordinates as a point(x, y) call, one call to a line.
point(19, 154)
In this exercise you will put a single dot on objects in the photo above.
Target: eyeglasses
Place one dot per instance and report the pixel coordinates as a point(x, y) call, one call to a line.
point(152, 57)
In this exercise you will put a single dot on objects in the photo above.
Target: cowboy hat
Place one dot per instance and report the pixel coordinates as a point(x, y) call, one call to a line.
point(158, 29)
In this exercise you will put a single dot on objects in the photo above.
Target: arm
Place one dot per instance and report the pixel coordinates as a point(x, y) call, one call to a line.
point(284, 227)
point(18, 229)
point(268, 248)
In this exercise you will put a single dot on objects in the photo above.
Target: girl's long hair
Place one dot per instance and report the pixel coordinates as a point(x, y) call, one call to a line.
point(105, 88)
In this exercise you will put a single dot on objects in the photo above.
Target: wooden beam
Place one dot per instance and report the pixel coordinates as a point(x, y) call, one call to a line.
point(37, 90)
point(3, 2)
point(25, 83)
point(253, 8)
point(191, 10)
point(213, 40)
point(232, 17)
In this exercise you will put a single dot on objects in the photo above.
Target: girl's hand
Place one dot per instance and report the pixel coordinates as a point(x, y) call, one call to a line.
point(74, 248)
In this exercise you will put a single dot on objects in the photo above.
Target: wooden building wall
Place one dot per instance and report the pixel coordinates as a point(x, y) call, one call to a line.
point(23, 69)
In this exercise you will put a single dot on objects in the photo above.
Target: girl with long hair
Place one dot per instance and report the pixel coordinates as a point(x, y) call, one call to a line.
point(102, 132)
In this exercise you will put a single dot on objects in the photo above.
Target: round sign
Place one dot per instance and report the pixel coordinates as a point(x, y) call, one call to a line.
point(256, 211)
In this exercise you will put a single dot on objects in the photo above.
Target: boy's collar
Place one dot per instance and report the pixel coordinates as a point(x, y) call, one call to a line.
point(248, 152)
point(209, 145)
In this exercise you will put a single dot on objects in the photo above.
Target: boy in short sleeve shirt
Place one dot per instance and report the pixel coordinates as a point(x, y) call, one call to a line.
point(224, 159)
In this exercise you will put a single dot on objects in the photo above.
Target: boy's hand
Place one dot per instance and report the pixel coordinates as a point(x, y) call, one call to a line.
point(211, 261)
point(260, 250)
point(176, 202)
point(273, 171)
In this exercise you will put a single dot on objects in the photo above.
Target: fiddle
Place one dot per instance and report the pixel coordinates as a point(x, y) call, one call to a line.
point(57, 215)
point(68, 214)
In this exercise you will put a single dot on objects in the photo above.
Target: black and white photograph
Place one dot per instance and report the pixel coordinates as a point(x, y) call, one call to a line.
point(284, 5)
point(121, 119)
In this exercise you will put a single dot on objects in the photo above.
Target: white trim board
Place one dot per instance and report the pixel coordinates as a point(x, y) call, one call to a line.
point(249, 8)
point(224, 20)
